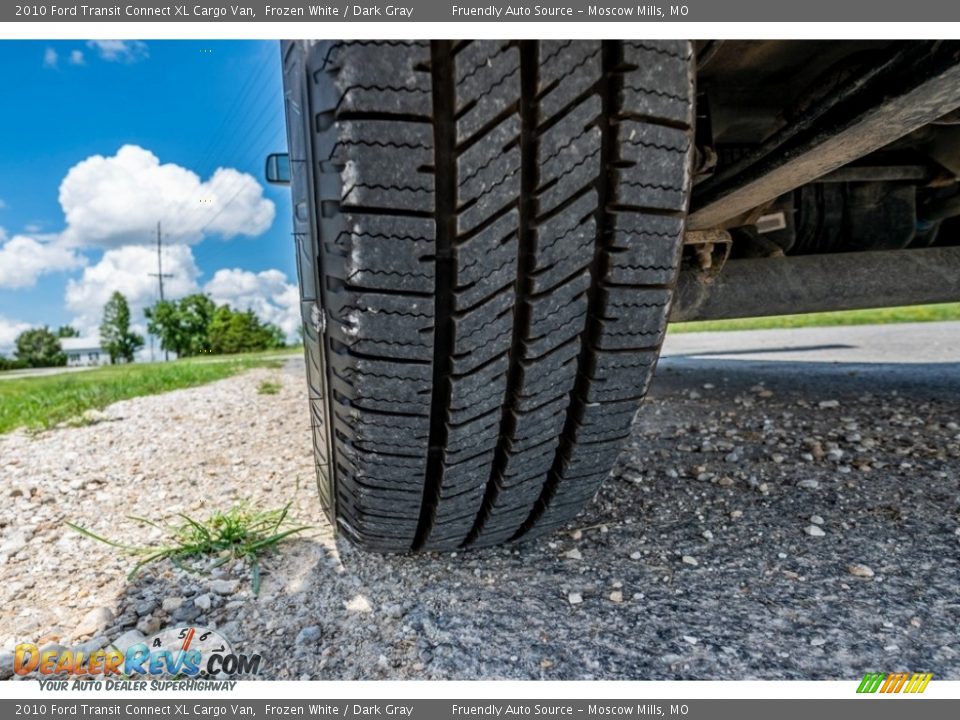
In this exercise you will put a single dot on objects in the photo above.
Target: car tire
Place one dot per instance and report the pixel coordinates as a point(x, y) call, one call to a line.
point(489, 235)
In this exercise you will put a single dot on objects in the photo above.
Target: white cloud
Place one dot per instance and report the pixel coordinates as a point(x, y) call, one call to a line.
point(76, 57)
point(267, 293)
point(117, 200)
point(127, 269)
point(124, 51)
point(9, 329)
point(23, 259)
point(50, 58)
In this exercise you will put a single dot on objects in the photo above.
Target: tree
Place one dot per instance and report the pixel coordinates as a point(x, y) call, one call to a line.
point(38, 347)
point(277, 338)
point(120, 342)
point(234, 331)
point(10, 364)
point(182, 325)
point(67, 331)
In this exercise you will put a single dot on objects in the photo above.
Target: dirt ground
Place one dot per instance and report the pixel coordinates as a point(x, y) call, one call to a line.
point(771, 518)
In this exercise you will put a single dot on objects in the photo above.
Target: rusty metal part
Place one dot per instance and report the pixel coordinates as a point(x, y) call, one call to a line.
point(817, 283)
point(890, 101)
point(711, 248)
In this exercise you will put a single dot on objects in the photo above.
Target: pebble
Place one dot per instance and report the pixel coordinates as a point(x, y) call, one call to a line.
point(859, 570)
point(145, 607)
point(691, 639)
point(204, 602)
point(818, 642)
point(573, 554)
point(93, 644)
point(809, 484)
point(827, 404)
point(815, 531)
point(816, 520)
point(94, 621)
point(690, 560)
point(393, 610)
point(616, 596)
point(308, 635)
point(636, 555)
point(574, 598)
point(359, 604)
point(707, 534)
point(148, 625)
point(170, 604)
point(224, 587)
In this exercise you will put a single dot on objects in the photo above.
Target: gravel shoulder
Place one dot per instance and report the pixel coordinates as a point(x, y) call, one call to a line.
point(775, 518)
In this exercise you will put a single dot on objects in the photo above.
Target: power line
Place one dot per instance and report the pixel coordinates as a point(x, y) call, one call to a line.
point(160, 275)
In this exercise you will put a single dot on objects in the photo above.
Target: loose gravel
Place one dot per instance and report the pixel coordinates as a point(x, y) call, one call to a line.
point(756, 527)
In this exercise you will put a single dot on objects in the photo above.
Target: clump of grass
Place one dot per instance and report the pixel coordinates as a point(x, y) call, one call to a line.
point(269, 387)
point(238, 533)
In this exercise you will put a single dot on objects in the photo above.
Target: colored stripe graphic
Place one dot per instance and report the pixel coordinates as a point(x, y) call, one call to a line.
point(895, 682)
point(870, 683)
point(918, 683)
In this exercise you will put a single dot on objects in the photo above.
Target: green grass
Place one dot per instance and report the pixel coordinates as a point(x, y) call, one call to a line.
point(45, 401)
point(269, 387)
point(879, 316)
point(239, 533)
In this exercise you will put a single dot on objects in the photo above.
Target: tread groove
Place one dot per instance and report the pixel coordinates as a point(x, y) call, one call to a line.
point(446, 202)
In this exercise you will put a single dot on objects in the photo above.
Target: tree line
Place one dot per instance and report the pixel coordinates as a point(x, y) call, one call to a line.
point(190, 326)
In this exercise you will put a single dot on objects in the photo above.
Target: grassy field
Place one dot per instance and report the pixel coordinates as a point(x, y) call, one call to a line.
point(879, 316)
point(45, 401)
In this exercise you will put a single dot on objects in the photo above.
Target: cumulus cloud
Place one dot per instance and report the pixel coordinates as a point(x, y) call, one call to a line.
point(50, 58)
point(123, 51)
point(76, 57)
point(127, 269)
point(267, 293)
point(116, 200)
point(9, 329)
point(112, 203)
point(23, 259)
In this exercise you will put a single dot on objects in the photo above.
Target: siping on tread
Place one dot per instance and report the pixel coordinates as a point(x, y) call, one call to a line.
point(499, 227)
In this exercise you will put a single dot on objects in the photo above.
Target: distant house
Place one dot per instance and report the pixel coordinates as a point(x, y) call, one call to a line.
point(82, 351)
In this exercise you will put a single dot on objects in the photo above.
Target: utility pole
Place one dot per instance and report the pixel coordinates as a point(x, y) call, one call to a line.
point(160, 275)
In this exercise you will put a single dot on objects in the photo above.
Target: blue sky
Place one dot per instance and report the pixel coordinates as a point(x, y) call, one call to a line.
point(196, 105)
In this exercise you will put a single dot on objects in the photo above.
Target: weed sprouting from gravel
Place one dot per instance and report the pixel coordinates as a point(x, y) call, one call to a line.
point(238, 533)
point(269, 387)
